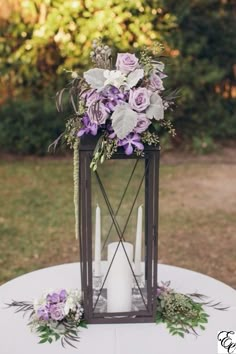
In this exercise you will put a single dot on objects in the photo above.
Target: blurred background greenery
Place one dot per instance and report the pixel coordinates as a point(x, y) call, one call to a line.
point(41, 38)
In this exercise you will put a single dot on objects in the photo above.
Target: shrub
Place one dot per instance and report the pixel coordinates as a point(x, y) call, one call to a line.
point(28, 126)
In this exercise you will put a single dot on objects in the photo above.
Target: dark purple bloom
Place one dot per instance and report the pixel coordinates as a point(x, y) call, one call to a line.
point(111, 96)
point(43, 313)
point(131, 141)
point(112, 134)
point(89, 127)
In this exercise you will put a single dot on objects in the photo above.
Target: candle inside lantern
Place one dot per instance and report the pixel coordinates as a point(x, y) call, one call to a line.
point(119, 279)
point(97, 257)
point(138, 244)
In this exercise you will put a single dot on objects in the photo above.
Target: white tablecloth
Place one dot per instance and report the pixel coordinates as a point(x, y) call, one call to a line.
point(16, 338)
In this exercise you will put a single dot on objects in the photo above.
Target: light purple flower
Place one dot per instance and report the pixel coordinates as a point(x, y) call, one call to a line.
point(88, 128)
point(92, 97)
point(43, 313)
point(155, 83)
point(63, 295)
point(131, 141)
point(57, 311)
point(98, 113)
point(53, 298)
point(126, 62)
point(142, 123)
point(139, 99)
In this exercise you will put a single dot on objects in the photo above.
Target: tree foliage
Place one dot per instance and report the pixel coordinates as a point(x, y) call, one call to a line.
point(40, 38)
point(204, 66)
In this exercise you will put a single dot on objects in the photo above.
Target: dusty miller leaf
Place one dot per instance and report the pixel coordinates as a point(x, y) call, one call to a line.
point(95, 78)
point(134, 77)
point(124, 119)
point(156, 109)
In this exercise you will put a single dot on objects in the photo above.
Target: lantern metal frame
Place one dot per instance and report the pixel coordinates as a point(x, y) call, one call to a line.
point(151, 155)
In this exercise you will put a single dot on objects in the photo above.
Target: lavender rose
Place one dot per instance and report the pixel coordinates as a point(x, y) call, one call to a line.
point(139, 99)
point(142, 123)
point(155, 83)
point(53, 298)
point(57, 312)
point(126, 62)
point(90, 97)
point(42, 313)
point(98, 113)
point(63, 295)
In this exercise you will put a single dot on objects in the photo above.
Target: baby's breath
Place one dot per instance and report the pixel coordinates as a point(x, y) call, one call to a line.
point(150, 138)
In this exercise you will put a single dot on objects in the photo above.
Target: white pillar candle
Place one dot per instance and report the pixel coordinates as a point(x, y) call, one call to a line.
point(97, 257)
point(119, 280)
point(138, 243)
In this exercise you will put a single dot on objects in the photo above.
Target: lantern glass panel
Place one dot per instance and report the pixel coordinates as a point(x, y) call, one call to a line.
point(118, 237)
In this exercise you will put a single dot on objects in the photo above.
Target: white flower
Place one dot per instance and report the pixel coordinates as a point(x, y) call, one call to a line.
point(72, 301)
point(39, 302)
point(114, 77)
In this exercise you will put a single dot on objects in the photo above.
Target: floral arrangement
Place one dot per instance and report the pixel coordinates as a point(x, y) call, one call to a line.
point(59, 314)
point(123, 104)
point(55, 315)
point(182, 314)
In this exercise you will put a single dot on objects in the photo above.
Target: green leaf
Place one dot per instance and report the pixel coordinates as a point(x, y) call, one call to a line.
point(44, 340)
point(202, 320)
point(56, 335)
point(83, 324)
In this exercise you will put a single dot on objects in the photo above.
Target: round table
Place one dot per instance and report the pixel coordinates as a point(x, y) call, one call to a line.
point(16, 338)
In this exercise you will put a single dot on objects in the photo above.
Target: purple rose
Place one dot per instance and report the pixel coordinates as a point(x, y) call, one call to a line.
point(126, 62)
point(63, 295)
point(155, 83)
point(53, 298)
point(57, 311)
point(92, 97)
point(139, 99)
point(42, 313)
point(142, 123)
point(98, 113)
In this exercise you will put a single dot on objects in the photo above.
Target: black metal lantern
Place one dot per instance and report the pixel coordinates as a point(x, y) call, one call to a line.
point(118, 229)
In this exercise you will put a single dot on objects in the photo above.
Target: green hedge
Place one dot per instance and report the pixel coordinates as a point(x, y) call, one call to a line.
point(29, 126)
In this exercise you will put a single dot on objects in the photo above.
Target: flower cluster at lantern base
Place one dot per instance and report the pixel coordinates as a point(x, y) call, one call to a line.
point(55, 315)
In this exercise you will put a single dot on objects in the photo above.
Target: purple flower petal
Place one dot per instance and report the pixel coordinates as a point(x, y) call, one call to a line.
point(128, 149)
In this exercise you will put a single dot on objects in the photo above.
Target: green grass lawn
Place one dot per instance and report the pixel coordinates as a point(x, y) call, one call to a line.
point(197, 216)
